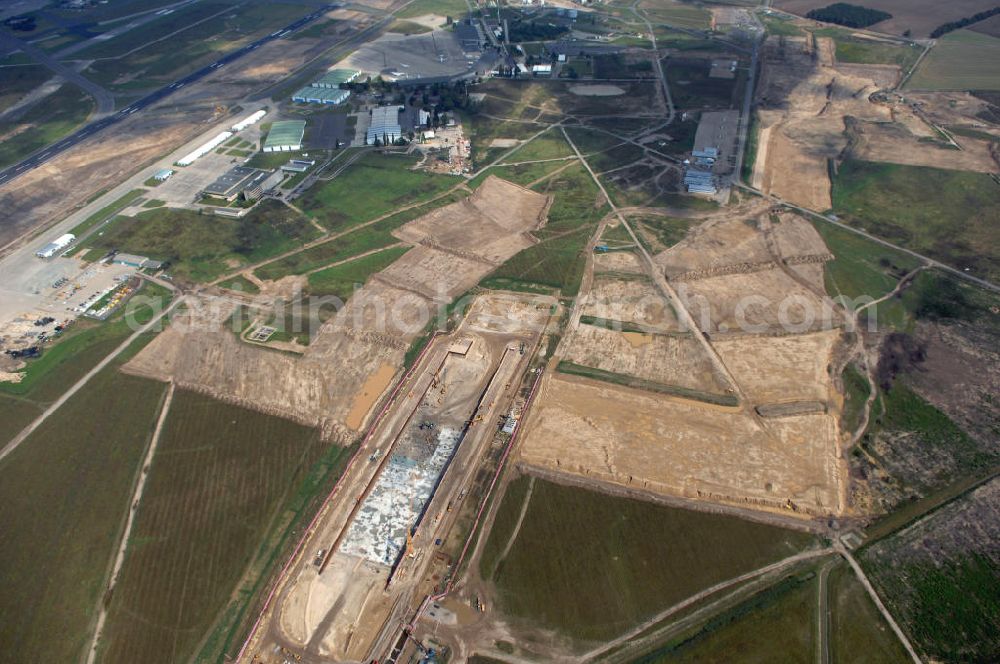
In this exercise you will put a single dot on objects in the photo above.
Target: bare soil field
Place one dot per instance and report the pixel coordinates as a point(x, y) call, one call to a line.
point(803, 99)
point(705, 452)
point(896, 143)
point(368, 336)
point(624, 262)
point(669, 359)
point(713, 245)
point(918, 16)
point(634, 302)
point(760, 301)
point(783, 369)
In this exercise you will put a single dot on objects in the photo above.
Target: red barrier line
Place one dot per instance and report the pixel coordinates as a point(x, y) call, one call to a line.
point(482, 506)
point(329, 497)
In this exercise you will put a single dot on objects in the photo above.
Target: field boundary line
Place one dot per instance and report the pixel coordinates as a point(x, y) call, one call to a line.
point(28, 430)
point(137, 493)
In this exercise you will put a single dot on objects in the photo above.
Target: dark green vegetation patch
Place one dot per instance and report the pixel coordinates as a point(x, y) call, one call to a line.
point(200, 247)
point(591, 565)
point(852, 16)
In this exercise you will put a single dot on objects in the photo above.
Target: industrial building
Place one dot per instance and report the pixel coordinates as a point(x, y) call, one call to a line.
point(298, 165)
point(162, 175)
point(715, 141)
point(249, 120)
point(314, 95)
point(384, 126)
point(234, 182)
point(541, 70)
point(56, 246)
point(141, 262)
point(699, 181)
point(259, 187)
point(335, 78)
point(470, 36)
point(204, 148)
point(285, 136)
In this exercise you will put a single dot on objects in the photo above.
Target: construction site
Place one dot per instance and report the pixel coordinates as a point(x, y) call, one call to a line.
point(363, 568)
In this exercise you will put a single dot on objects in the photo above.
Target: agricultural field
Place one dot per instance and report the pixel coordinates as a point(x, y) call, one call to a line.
point(919, 17)
point(453, 8)
point(677, 14)
point(948, 215)
point(776, 624)
point(60, 114)
point(65, 504)
point(550, 145)
point(961, 60)
point(858, 632)
point(941, 577)
point(225, 460)
point(202, 247)
point(374, 185)
point(852, 50)
point(558, 575)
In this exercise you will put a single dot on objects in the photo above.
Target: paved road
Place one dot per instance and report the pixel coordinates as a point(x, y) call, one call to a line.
point(45, 154)
point(105, 100)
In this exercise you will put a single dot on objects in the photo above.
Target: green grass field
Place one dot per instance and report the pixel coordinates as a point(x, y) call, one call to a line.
point(341, 280)
point(856, 392)
point(65, 492)
point(241, 284)
point(861, 267)
point(558, 261)
point(522, 174)
point(372, 186)
point(106, 212)
point(774, 625)
point(961, 60)
point(58, 115)
point(691, 88)
point(201, 247)
point(214, 462)
point(550, 145)
point(591, 565)
point(454, 8)
point(948, 215)
point(858, 632)
point(356, 242)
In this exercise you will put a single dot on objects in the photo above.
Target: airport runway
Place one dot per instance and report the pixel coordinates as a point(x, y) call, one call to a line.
point(45, 154)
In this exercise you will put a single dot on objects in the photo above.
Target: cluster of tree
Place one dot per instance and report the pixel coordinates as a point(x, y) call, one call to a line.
point(852, 16)
point(521, 31)
point(962, 22)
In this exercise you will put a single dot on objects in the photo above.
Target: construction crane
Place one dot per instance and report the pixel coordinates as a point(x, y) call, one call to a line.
point(428, 653)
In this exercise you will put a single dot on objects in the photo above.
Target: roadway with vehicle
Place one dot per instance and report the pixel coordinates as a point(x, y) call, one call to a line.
point(43, 155)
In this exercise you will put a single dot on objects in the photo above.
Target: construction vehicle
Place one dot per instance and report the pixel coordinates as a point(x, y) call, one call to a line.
point(428, 653)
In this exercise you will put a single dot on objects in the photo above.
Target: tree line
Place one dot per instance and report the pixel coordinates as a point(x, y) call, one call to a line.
point(962, 22)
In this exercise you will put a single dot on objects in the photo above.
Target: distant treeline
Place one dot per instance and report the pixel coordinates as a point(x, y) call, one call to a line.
point(851, 16)
point(962, 22)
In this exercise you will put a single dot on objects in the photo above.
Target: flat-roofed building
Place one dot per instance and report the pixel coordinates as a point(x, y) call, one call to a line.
point(335, 78)
point(230, 185)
